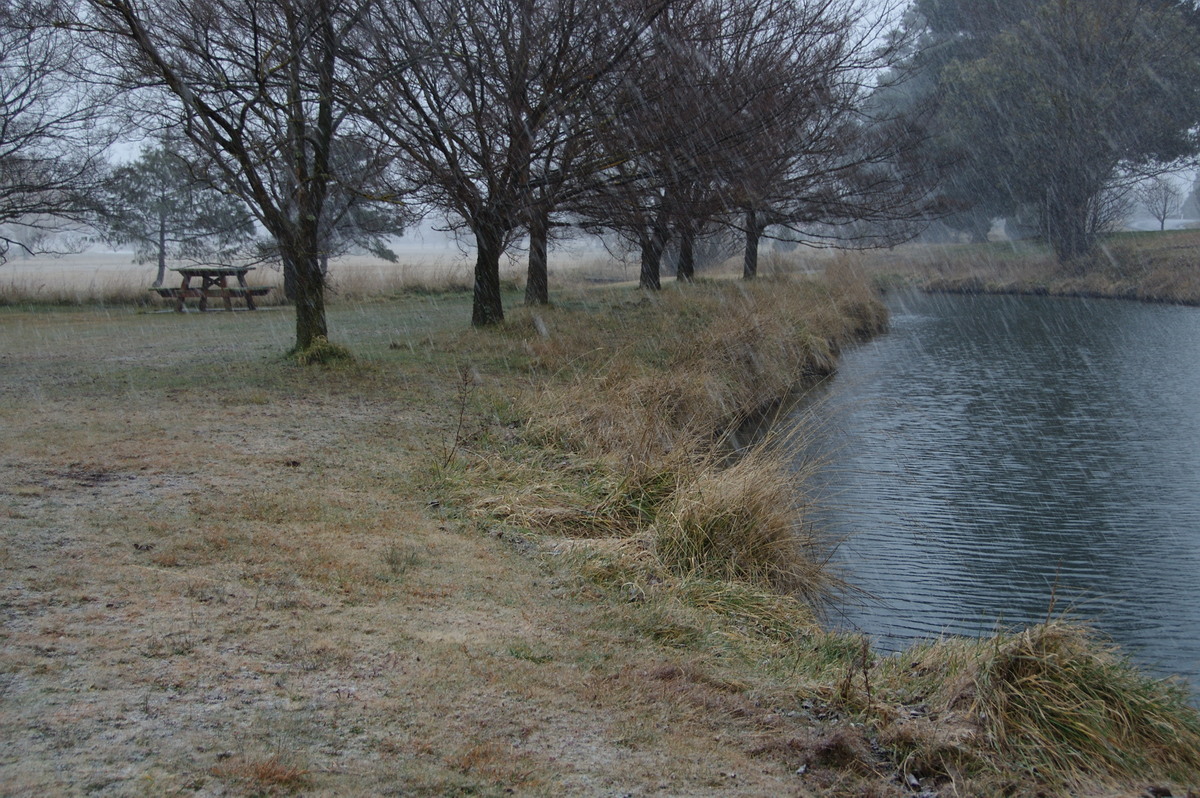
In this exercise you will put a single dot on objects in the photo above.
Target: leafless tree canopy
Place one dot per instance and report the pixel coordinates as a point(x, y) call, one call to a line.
point(52, 133)
point(490, 105)
point(754, 112)
point(652, 118)
point(257, 88)
point(1162, 198)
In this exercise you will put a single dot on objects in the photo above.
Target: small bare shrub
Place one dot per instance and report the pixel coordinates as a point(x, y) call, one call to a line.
point(400, 560)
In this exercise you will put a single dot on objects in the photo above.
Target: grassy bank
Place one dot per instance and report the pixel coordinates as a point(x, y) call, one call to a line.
point(486, 562)
point(1149, 267)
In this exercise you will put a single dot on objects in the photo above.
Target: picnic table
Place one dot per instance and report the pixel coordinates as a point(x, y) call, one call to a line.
point(214, 282)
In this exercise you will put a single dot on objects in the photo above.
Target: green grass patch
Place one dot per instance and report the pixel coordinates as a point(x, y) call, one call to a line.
point(322, 352)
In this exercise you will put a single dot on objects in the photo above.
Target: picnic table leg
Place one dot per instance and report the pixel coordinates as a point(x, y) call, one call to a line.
point(223, 282)
point(241, 278)
point(205, 284)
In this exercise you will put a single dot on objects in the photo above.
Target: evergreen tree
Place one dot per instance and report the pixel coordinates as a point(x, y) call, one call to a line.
point(1043, 103)
point(162, 209)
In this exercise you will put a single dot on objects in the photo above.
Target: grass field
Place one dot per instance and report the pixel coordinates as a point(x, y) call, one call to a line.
point(1144, 266)
point(451, 567)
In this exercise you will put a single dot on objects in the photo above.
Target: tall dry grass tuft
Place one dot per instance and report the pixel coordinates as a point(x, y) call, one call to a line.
point(270, 775)
point(745, 523)
point(1054, 699)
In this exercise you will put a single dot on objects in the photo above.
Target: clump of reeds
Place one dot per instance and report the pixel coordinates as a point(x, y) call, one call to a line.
point(1048, 710)
point(744, 523)
point(1053, 699)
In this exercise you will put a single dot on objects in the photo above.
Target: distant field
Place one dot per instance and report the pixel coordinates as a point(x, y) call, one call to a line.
point(105, 277)
point(93, 276)
point(113, 278)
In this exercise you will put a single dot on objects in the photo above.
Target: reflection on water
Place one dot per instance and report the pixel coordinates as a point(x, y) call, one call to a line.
point(992, 456)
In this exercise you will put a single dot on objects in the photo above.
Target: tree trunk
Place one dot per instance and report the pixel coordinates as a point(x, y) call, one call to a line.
point(687, 254)
point(750, 257)
point(290, 289)
point(310, 302)
point(537, 282)
point(653, 243)
point(487, 307)
point(162, 251)
point(1066, 225)
point(299, 251)
point(309, 285)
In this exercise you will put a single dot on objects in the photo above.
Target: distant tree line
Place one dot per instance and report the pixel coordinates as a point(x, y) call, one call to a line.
point(333, 123)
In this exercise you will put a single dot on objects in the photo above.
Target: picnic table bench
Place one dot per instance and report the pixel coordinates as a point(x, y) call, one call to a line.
point(214, 282)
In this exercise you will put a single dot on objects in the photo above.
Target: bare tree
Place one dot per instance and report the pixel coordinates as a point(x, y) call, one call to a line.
point(824, 163)
point(1161, 197)
point(673, 121)
point(756, 112)
point(484, 108)
point(52, 133)
point(257, 86)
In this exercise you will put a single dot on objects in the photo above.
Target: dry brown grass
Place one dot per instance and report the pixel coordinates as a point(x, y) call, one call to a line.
point(1048, 709)
point(263, 776)
point(1150, 267)
point(74, 281)
point(684, 364)
point(100, 278)
point(106, 279)
point(213, 557)
point(628, 439)
point(227, 574)
point(1054, 699)
point(745, 523)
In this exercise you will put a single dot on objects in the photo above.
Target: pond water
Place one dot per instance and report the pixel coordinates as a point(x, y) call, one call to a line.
point(993, 459)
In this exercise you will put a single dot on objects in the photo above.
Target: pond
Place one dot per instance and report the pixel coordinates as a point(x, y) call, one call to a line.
point(993, 460)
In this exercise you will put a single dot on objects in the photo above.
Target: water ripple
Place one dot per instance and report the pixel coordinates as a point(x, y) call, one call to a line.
point(994, 459)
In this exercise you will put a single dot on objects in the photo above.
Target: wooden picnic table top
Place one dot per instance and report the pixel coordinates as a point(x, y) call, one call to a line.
point(210, 270)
